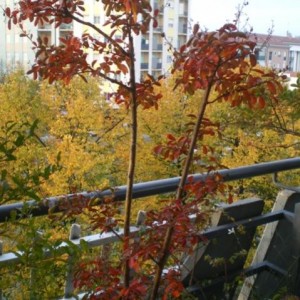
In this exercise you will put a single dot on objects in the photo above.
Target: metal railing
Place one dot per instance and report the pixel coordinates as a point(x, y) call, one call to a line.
point(149, 188)
point(142, 190)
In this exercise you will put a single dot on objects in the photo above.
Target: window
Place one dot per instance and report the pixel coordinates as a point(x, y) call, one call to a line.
point(17, 58)
point(96, 19)
point(279, 53)
point(169, 59)
point(145, 44)
point(8, 58)
point(270, 55)
point(25, 58)
point(260, 54)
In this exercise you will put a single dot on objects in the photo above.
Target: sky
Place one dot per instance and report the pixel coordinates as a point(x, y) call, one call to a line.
point(283, 14)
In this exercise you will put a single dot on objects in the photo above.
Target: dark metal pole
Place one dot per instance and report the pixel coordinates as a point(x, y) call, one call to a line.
point(145, 189)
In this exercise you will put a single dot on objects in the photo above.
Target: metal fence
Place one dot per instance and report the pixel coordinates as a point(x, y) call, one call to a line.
point(142, 190)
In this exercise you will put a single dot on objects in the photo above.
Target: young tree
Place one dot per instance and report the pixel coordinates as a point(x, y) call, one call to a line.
point(222, 61)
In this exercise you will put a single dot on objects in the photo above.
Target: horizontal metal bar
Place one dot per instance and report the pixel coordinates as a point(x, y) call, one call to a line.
point(214, 232)
point(265, 266)
point(146, 188)
point(110, 237)
point(92, 241)
point(252, 270)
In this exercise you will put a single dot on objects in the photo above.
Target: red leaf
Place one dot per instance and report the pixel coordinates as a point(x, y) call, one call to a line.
point(7, 11)
point(271, 87)
point(252, 60)
point(171, 137)
point(196, 29)
point(158, 149)
point(261, 102)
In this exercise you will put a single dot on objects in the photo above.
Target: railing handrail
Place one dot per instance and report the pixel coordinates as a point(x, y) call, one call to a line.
point(149, 188)
point(96, 240)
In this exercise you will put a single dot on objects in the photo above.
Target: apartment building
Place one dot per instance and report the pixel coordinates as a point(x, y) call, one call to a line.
point(278, 52)
point(154, 54)
point(152, 50)
point(14, 50)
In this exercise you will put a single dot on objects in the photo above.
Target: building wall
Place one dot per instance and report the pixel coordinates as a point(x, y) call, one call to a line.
point(153, 53)
point(278, 52)
point(156, 55)
point(277, 57)
point(2, 39)
point(15, 51)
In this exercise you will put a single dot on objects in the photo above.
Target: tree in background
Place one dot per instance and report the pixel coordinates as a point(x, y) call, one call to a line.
point(222, 62)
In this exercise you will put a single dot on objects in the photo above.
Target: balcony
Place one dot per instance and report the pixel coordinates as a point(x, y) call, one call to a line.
point(65, 26)
point(183, 13)
point(45, 27)
point(156, 66)
point(145, 47)
point(144, 66)
point(275, 264)
point(158, 6)
point(158, 29)
point(157, 47)
point(182, 29)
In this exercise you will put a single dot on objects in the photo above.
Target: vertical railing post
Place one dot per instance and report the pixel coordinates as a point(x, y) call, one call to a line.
point(140, 221)
point(1, 252)
point(75, 233)
point(33, 270)
point(107, 248)
point(141, 217)
point(296, 224)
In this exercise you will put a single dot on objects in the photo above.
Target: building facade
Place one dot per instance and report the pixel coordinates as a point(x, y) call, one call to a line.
point(15, 52)
point(278, 52)
point(153, 54)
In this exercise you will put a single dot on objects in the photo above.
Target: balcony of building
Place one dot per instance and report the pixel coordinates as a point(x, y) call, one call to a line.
point(183, 9)
point(275, 257)
point(145, 42)
point(144, 47)
point(144, 66)
point(157, 43)
point(182, 40)
point(156, 62)
point(159, 5)
point(157, 66)
point(158, 29)
point(182, 28)
point(67, 27)
point(157, 47)
point(44, 35)
point(45, 27)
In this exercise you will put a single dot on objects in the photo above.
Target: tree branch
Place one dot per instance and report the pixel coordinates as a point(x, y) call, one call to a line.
point(101, 32)
point(132, 160)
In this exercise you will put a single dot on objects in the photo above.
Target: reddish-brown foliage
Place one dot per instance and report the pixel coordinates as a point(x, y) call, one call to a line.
point(221, 63)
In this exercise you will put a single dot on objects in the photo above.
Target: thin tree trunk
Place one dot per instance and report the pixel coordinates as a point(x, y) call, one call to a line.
point(132, 159)
point(179, 193)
